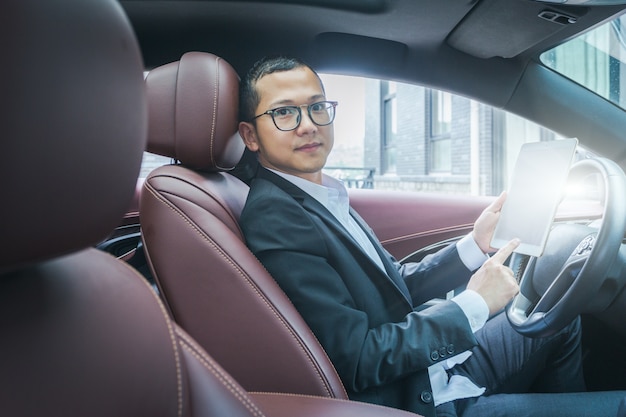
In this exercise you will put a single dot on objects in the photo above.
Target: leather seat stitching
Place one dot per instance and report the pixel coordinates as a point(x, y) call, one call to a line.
point(212, 366)
point(245, 276)
point(172, 340)
point(214, 118)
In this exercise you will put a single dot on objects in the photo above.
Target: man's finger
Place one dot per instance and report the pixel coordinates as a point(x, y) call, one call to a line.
point(496, 205)
point(505, 251)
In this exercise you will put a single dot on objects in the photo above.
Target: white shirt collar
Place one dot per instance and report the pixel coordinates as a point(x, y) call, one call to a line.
point(333, 195)
point(332, 190)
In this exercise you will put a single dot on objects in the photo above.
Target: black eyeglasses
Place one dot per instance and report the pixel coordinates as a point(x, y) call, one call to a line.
point(288, 118)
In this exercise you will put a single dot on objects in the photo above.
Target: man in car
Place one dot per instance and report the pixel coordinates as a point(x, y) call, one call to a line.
point(458, 357)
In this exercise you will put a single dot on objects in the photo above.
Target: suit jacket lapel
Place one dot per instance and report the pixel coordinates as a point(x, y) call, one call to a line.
point(388, 262)
point(311, 204)
point(318, 209)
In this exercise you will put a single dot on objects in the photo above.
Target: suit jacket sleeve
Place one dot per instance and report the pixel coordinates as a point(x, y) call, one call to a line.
point(433, 276)
point(367, 327)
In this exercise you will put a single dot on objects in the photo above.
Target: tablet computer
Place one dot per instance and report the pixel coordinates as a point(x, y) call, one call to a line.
point(535, 190)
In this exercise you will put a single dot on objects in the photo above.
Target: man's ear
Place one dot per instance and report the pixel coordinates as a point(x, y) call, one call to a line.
point(247, 131)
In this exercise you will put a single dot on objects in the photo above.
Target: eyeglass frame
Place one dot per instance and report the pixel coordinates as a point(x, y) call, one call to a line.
point(333, 104)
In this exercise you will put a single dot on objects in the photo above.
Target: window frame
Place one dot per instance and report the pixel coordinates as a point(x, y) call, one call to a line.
point(439, 102)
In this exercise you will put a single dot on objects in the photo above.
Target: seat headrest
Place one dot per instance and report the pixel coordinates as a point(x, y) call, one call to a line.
point(193, 112)
point(75, 129)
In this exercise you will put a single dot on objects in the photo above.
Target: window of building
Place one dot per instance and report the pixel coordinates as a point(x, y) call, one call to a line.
point(440, 128)
point(390, 127)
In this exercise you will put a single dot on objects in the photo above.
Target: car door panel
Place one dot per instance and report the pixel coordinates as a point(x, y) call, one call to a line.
point(408, 221)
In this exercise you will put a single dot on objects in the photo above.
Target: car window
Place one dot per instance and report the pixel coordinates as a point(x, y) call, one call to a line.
point(151, 161)
point(397, 136)
point(603, 50)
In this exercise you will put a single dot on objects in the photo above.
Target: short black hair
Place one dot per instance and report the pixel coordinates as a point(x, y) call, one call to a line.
point(249, 97)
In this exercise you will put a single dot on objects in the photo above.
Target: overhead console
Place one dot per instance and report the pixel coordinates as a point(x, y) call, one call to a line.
point(527, 22)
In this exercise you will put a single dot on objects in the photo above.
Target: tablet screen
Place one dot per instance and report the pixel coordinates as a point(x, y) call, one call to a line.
point(535, 190)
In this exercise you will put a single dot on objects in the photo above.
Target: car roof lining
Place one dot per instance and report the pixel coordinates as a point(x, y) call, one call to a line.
point(339, 39)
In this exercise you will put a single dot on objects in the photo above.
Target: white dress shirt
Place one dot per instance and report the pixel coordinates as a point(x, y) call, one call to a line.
point(332, 194)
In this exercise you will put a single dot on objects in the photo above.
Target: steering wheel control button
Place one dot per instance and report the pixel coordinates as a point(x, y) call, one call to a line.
point(585, 246)
point(427, 397)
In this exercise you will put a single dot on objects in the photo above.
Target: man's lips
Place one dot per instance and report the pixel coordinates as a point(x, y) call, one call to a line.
point(309, 147)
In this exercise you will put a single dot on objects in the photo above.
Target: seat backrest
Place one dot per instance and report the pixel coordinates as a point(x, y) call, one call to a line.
point(213, 285)
point(83, 334)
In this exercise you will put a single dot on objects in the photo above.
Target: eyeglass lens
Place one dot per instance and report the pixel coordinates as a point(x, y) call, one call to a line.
point(288, 117)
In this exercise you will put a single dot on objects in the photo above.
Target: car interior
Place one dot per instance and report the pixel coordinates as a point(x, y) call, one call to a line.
point(126, 296)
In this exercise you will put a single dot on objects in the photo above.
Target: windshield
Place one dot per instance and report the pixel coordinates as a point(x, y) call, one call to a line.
point(595, 60)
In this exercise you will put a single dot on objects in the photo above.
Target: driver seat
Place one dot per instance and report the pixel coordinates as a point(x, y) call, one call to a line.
point(213, 286)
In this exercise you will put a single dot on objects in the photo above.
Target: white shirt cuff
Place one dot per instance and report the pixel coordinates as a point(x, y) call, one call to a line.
point(451, 388)
point(470, 253)
point(474, 307)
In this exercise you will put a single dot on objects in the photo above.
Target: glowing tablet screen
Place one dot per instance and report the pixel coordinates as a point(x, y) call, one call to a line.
point(535, 190)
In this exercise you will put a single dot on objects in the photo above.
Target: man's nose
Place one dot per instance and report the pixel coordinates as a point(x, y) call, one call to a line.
point(305, 120)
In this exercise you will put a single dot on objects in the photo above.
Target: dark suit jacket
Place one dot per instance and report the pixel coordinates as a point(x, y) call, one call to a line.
point(364, 317)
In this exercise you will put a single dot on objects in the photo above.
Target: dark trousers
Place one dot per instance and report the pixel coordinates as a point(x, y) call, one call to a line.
point(529, 376)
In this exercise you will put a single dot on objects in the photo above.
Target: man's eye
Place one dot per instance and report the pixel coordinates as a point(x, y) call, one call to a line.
point(318, 107)
point(285, 112)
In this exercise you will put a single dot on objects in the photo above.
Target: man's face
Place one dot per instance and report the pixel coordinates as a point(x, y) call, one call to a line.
point(303, 151)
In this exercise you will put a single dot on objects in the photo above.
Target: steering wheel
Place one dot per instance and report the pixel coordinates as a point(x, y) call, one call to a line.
point(578, 268)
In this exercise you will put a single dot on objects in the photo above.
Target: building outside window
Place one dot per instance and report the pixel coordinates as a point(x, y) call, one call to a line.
point(440, 142)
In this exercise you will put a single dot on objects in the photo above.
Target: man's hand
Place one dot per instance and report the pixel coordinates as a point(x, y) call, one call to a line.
point(486, 224)
point(494, 281)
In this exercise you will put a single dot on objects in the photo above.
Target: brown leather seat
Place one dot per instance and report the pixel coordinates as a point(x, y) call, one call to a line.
point(212, 284)
point(82, 332)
